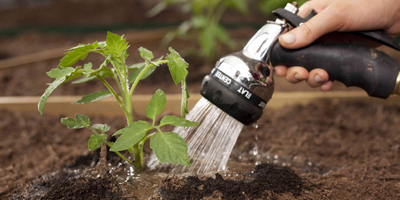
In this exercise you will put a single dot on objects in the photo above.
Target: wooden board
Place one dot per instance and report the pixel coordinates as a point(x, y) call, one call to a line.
point(61, 105)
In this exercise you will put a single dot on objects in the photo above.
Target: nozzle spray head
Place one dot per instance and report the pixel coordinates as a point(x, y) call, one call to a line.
point(239, 86)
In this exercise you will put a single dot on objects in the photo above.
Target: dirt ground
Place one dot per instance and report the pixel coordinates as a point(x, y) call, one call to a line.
point(325, 150)
point(329, 149)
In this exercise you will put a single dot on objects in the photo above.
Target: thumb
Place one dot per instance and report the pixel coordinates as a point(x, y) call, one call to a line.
point(310, 31)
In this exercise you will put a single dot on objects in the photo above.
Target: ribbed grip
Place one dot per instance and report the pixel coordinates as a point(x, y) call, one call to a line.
point(354, 65)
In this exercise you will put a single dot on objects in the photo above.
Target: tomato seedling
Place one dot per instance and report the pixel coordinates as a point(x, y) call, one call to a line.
point(167, 146)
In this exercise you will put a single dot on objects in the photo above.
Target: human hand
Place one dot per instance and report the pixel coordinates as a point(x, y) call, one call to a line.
point(336, 15)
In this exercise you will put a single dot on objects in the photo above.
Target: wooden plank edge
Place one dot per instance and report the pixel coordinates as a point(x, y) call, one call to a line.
point(61, 105)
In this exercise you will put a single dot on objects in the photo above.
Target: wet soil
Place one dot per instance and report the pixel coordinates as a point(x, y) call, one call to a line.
point(325, 150)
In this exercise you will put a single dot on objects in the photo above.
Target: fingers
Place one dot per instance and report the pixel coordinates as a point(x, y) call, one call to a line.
point(315, 78)
point(314, 28)
point(296, 74)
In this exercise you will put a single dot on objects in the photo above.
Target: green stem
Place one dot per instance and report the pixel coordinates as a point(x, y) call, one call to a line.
point(109, 87)
point(138, 158)
point(115, 75)
point(139, 77)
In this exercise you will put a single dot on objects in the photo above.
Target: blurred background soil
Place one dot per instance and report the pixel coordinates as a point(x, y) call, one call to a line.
point(43, 29)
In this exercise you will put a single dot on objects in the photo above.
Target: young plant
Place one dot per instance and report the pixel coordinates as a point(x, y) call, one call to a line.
point(204, 22)
point(169, 146)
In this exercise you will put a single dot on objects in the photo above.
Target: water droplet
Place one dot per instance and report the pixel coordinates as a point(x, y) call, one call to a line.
point(255, 125)
point(276, 157)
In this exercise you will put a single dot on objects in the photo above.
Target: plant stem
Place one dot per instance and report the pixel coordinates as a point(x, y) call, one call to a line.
point(110, 145)
point(138, 158)
point(139, 77)
point(103, 158)
point(114, 94)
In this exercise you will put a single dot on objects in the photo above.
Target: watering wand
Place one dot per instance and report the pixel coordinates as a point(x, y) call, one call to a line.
point(241, 84)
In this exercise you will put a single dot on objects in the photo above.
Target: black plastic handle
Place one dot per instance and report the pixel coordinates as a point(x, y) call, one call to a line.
point(354, 65)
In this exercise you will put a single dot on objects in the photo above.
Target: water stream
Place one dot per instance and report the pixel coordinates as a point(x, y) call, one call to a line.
point(209, 144)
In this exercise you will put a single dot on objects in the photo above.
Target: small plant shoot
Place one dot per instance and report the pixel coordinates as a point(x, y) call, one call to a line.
point(167, 146)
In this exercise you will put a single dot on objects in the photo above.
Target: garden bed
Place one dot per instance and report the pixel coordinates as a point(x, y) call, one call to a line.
point(339, 149)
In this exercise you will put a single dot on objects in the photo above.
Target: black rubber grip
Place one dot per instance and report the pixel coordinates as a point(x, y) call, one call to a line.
point(354, 65)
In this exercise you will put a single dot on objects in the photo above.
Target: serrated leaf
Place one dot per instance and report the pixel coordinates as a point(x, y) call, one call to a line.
point(146, 54)
point(136, 66)
point(95, 141)
point(93, 97)
point(57, 73)
point(116, 44)
point(135, 73)
point(88, 66)
point(170, 147)
point(80, 121)
point(131, 135)
point(77, 53)
point(92, 72)
point(177, 121)
point(156, 105)
point(84, 80)
point(60, 80)
point(177, 66)
point(101, 127)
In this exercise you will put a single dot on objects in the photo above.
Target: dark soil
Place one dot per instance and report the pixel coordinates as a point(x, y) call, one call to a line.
point(266, 181)
point(325, 150)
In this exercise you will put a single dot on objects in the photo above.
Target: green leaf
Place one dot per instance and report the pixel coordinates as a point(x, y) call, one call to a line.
point(146, 54)
point(136, 66)
point(80, 121)
point(60, 80)
point(84, 80)
point(96, 140)
point(137, 69)
point(170, 147)
point(101, 127)
point(131, 135)
point(77, 53)
point(116, 44)
point(177, 66)
point(199, 21)
point(97, 96)
point(101, 71)
point(156, 105)
point(48, 92)
point(58, 73)
point(177, 121)
point(208, 40)
point(239, 5)
point(222, 36)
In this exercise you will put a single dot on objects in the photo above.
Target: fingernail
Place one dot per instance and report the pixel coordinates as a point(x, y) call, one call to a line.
point(297, 77)
point(318, 79)
point(288, 38)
